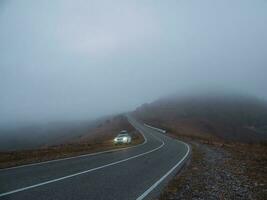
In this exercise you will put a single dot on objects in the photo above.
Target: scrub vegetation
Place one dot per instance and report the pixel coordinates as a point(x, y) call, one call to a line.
point(97, 139)
point(214, 118)
point(229, 145)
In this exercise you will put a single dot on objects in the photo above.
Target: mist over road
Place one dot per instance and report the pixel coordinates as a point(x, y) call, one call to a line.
point(135, 173)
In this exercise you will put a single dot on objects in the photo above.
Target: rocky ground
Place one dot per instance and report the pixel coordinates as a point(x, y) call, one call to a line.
point(221, 172)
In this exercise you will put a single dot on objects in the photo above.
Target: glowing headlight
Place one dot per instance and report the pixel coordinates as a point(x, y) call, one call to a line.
point(124, 139)
point(115, 139)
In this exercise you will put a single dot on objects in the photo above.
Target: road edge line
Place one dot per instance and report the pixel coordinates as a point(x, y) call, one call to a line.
point(79, 156)
point(82, 172)
point(152, 187)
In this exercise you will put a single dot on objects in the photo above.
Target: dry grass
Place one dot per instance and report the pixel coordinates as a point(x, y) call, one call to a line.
point(245, 162)
point(99, 140)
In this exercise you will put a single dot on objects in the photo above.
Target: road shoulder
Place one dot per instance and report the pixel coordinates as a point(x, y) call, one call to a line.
point(221, 172)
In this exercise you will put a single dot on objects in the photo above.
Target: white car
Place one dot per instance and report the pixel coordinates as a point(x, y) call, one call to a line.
point(123, 138)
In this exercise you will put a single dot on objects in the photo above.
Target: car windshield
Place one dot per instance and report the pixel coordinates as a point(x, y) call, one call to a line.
point(123, 132)
point(123, 135)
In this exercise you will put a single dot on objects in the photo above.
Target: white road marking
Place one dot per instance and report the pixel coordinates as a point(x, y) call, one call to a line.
point(107, 165)
point(80, 156)
point(165, 175)
point(83, 172)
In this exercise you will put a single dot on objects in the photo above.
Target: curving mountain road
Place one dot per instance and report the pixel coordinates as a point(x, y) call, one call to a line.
point(137, 172)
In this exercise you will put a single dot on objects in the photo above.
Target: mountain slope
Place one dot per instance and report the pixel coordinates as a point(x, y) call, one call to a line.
point(209, 116)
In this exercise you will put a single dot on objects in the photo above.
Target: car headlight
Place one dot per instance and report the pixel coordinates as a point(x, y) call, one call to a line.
point(115, 139)
point(124, 139)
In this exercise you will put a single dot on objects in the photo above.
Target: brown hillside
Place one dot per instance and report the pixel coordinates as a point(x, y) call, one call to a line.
point(216, 117)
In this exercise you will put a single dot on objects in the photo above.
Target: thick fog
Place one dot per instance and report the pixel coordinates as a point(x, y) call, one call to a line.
point(71, 60)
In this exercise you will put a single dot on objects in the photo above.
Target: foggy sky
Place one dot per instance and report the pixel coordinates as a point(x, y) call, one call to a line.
point(84, 59)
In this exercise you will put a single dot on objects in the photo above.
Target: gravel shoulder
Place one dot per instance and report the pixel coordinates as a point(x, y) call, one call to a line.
point(235, 171)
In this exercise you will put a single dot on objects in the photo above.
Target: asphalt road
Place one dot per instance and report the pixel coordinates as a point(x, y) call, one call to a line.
point(138, 172)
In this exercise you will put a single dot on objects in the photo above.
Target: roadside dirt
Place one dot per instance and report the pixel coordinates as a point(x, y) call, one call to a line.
point(101, 140)
point(221, 172)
